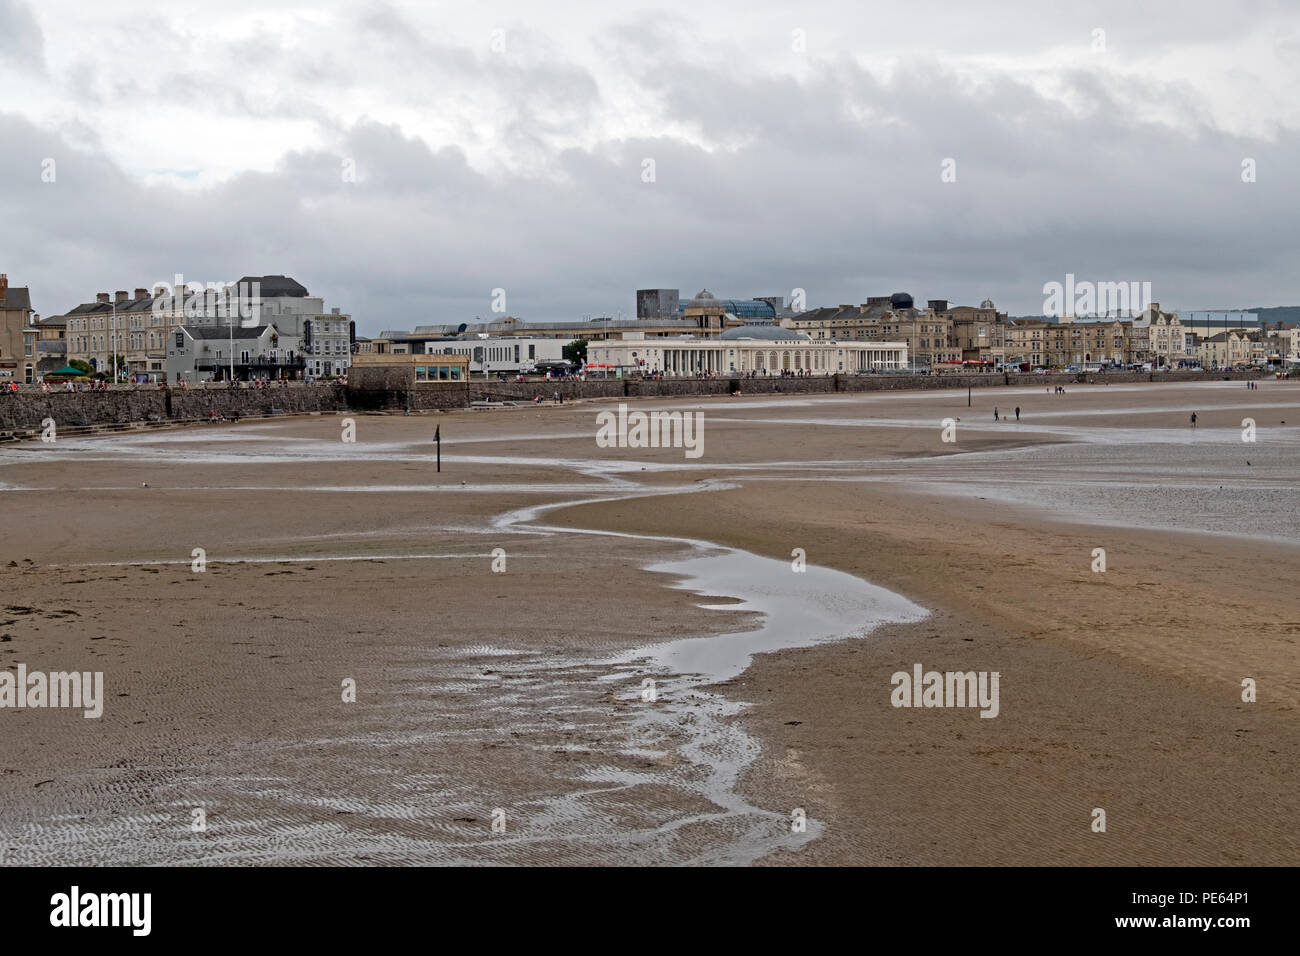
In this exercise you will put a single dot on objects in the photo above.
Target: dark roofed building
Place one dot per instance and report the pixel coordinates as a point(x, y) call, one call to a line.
point(277, 287)
point(14, 298)
point(206, 332)
point(17, 340)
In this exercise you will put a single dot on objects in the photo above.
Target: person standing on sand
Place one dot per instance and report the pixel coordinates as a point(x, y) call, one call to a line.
point(995, 413)
point(1017, 413)
point(1193, 419)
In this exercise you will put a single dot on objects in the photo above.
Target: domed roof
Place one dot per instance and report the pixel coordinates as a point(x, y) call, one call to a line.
point(987, 304)
point(704, 300)
point(764, 331)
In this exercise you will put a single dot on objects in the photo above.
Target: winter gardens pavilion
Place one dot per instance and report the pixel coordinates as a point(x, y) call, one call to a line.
point(760, 348)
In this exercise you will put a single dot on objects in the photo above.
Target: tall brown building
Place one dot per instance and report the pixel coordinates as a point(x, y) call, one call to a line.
point(17, 344)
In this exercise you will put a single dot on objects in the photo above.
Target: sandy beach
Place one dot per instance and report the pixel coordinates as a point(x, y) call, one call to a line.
point(518, 695)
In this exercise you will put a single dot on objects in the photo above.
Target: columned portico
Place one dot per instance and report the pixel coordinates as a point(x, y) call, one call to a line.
point(761, 349)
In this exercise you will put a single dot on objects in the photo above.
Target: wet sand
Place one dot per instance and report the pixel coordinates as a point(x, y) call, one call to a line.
point(523, 690)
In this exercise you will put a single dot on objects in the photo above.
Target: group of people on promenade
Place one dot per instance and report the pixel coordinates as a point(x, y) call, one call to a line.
point(104, 385)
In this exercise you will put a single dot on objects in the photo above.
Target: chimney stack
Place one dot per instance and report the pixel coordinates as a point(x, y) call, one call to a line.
point(121, 296)
point(101, 298)
point(141, 294)
point(4, 284)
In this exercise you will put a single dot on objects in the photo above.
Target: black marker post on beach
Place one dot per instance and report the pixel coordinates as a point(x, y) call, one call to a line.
point(437, 437)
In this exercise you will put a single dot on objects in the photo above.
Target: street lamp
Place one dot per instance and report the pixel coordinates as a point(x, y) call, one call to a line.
point(110, 340)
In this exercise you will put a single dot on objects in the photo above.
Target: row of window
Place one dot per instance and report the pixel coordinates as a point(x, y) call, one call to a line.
point(437, 373)
point(506, 353)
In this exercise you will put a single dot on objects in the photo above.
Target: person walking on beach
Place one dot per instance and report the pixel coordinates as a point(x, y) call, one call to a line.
point(995, 413)
point(1017, 413)
point(1193, 419)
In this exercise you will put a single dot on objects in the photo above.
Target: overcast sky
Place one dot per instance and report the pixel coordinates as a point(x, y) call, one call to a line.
point(404, 160)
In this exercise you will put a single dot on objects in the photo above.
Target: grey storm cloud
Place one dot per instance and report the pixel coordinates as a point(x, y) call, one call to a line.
point(24, 43)
point(827, 180)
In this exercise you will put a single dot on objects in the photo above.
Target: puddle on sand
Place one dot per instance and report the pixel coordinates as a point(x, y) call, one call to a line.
point(799, 608)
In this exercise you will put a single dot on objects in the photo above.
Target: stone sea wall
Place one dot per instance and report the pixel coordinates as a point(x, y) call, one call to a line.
point(24, 410)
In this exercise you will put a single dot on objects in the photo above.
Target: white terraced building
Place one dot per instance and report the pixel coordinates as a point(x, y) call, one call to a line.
point(760, 348)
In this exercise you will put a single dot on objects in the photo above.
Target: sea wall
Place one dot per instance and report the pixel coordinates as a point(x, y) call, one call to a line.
point(638, 388)
point(26, 409)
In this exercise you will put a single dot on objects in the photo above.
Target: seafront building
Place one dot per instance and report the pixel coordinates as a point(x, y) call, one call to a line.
point(522, 353)
point(206, 353)
point(1168, 342)
point(936, 336)
point(1227, 349)
point(582, 329)
point(756, 348)
point(51, 346)
point(1071, 341)
point(140, 327)
point(326, 337)
point(123, 324)
point(17, 338)
point(385, 371)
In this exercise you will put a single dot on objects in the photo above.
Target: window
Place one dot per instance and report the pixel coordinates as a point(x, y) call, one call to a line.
point(421, 373)
point(180, 340)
